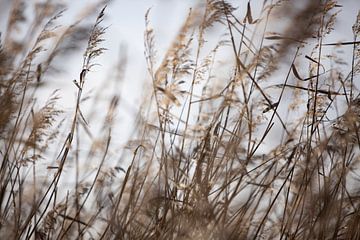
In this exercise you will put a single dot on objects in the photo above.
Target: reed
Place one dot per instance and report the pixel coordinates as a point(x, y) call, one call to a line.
point(269, 150)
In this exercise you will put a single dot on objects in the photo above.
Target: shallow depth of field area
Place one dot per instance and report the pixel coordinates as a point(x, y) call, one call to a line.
point(244, 126)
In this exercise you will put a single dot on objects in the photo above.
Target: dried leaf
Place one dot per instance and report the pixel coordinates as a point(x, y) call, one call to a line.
point(341, 43)
point(296, 73)
point(282, 38)
point(169, 95)
point(272, 106)
point(248, 14)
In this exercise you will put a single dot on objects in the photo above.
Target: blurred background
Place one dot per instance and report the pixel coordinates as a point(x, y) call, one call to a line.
point(117, 100)
point(124, 39)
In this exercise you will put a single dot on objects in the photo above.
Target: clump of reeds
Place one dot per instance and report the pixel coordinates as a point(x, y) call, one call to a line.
point(269, 151)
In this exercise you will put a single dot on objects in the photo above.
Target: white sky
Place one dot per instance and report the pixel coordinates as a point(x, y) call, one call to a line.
point(125, 19)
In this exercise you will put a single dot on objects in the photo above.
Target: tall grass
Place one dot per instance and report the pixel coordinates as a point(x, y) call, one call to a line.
point(269, 150)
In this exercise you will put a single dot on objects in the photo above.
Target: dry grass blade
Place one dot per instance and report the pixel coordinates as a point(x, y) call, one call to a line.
point(250, 130)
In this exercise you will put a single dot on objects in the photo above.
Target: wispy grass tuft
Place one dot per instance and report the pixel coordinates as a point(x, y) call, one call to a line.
point(269, 150)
